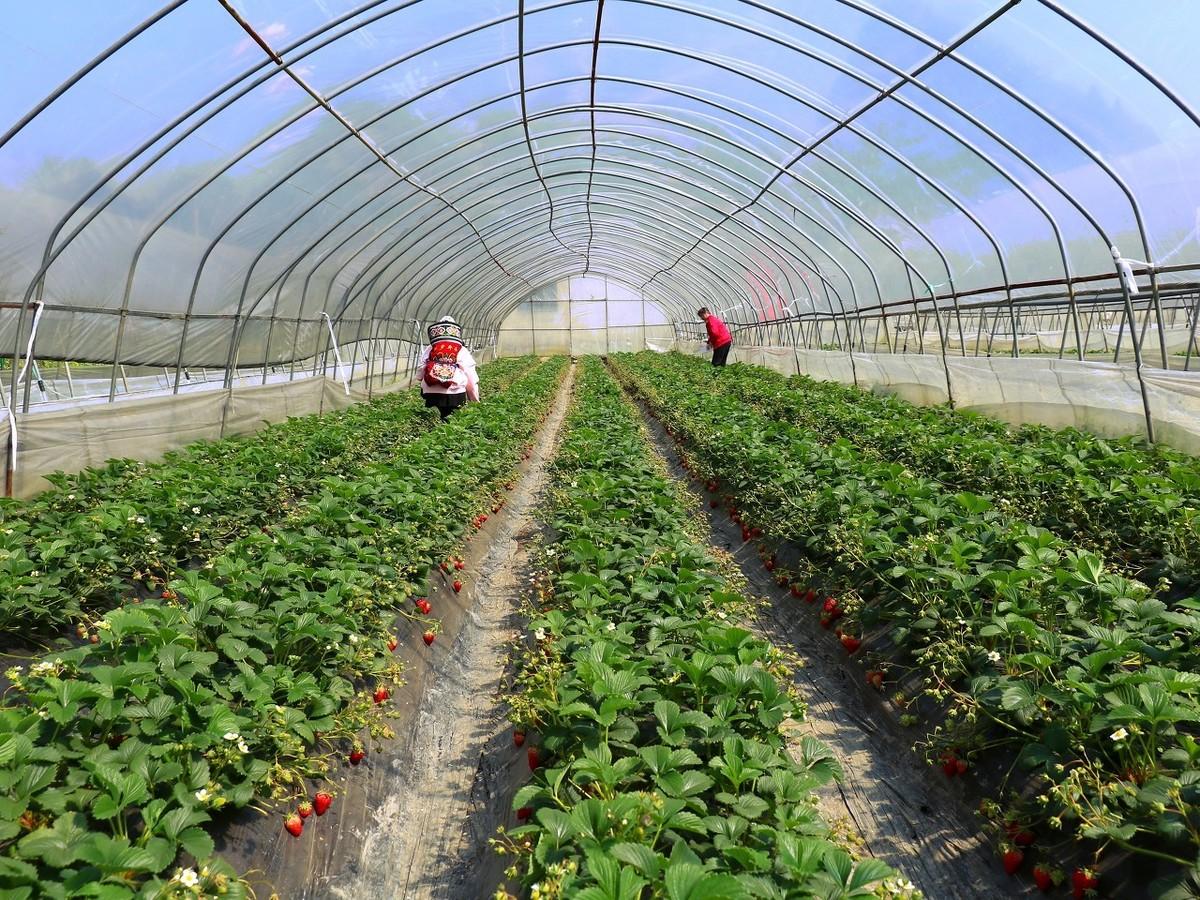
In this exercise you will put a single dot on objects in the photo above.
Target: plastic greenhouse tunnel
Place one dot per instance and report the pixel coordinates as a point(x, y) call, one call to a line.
point(600, 449)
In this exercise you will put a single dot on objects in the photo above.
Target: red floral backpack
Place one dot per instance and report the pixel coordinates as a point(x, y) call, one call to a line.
point(442, 365)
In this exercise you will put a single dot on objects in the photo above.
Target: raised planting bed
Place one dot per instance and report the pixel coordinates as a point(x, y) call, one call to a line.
point(1137, 505)
point(105, 535)
point(1071, 684)
point(253, 676)
point(656, 728)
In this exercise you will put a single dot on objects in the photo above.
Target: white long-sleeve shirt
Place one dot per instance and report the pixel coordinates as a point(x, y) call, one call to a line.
point(465, 379)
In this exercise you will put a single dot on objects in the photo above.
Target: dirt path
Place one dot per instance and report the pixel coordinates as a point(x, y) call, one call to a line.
point(901, 810)
point(427, 837)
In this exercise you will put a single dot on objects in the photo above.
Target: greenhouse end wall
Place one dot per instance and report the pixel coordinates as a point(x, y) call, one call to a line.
point(584, 315)
point(1104, 398)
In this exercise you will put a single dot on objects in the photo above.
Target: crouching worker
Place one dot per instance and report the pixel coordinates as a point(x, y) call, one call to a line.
point(447, 368)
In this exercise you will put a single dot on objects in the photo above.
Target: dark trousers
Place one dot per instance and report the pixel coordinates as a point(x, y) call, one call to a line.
point(721, 354)
point(444, 403)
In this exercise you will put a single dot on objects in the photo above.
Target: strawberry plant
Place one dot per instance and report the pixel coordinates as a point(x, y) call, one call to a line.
point(661, 766)
point(103, 535)
point(114, 755)
point(1033, 646)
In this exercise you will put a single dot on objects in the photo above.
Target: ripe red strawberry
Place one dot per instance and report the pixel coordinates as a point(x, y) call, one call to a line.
point(444, 566)
point(381, 694)
point(851, 643)
point(294, 825)
point(457, 585)
point(459, 565)
point(392, 643)
point(482, 518)
point(826, 622)
point(305, 809)
point(810, 596)
point(830, 604)
point(961, 766)
point(531, 755)
point(950, 767)
point(1023, 838)
point(428, 637)
point(1043, 878)
point(796, 591)
point(322, 801)
point(524, 813)
point(424, 606)
point(875, 679)
point(756, 533)
point(356, 756)
point(1082, 881)
point(518, 737)
point(1012, 860)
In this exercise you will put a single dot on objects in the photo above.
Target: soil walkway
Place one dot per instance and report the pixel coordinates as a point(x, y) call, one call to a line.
point(428, 837)
point(901, 810)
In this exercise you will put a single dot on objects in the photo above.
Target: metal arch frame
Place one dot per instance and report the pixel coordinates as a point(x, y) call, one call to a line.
point(784, 251)
point(519, 218)
point(741, 148)
point(1073, 138)
point(510, 125)
point(811, 267)
point(728, 281)
point(51, 255)
point(738, 146)
point(880, 96)
point(1152, 273)
point(726, 23)
point(429, 236)
point(474, 29)
point(1055, 125)
point(477, 293)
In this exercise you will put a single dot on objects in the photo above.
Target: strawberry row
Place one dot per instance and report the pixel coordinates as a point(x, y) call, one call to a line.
point(652, 723)
point(1027, 647)
point(129, 527)
point(1135, 504)
point(250, 677)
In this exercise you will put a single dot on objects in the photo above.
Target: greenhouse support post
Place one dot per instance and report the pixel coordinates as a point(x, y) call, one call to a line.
point(337, 353)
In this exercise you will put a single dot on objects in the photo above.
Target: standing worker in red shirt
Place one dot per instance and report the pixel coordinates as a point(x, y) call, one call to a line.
point(719, 337)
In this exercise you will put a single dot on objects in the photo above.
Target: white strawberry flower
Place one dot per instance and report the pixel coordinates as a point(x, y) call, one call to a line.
point(140, 520)
point(354, 638)
point(1119, 735)
point(202, 795)
point(232, 736)
point(70, 496)
point(610, 627)
point(994, 656)
point(243, 747)
point(188, 878)
point(540, 634)
point(195, 510)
